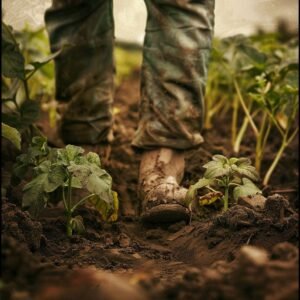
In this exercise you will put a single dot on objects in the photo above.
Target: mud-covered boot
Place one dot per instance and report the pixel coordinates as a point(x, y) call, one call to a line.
point(161, 171)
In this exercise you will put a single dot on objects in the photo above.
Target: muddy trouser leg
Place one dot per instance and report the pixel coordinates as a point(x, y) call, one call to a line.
point(175, 59)
point(84, 70)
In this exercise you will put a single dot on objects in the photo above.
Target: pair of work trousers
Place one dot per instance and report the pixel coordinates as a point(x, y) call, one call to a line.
point(174, 70)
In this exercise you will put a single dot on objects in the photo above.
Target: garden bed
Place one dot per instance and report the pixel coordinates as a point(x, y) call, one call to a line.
point(244, 253)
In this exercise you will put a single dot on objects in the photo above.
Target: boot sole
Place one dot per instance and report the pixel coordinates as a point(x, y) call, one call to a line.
point(165, 213)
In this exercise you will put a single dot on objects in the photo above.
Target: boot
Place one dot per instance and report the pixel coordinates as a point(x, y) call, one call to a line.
point(161, 172)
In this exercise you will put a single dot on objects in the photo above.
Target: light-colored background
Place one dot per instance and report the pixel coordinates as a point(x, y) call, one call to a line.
point(232, 16)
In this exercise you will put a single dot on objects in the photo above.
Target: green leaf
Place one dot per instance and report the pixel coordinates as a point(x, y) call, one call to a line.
point(217, 171)
point(101, 186)
point(219, 166)
point(80, 172)
point(34, 196)
point(93, 158)
point(48, 179)
point(38, 64)
point(13, 63)
point(219, 157)
point(70, 153)
point(12, 134)
point(247, 189)
point(255, 55)
point(56, 178)
point(233, 160)
point(244, 168)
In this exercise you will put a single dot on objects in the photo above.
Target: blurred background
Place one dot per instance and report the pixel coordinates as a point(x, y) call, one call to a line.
point(232, 16)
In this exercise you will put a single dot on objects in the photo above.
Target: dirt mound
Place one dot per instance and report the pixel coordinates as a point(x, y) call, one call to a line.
point(221, 237)
point(19, 224)
point(255, 274)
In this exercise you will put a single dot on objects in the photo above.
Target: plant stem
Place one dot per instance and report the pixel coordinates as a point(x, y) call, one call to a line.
point(292, 135)
point(26, 89)
point(275, 162)
point(69, 227)
point(240, 97)
point(70, 193)
point(242, 131)
point(240, 135)
point(285, 142)
point(259, 143)
point(225, 198)
point(64, 198)
point(69, 208)
point(234, 120)
point(81, 202)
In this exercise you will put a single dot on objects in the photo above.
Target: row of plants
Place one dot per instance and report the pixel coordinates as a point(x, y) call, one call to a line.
point(255, 80)
point(47, 171)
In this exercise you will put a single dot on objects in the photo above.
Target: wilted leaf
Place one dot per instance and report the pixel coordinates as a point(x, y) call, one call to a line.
point(191, 193)
point(108, 211)
point(77, 224)
point(209, 198)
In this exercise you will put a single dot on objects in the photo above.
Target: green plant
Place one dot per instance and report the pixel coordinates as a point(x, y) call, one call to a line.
point(65, 169)
point(256, 78)
point(19, 111)
point(234, 176)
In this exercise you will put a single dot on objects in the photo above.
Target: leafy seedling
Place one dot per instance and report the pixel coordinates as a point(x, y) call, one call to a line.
point(226, 178)
point(66, 169)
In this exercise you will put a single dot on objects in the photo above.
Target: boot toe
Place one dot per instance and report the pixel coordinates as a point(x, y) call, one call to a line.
point(165, 213)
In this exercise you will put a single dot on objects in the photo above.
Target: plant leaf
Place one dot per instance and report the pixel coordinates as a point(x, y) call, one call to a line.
point(210, 198)
point(108, 211)
point(93, 158)
point(70, 153)
point(101, 186)
point(247, 189)
point(30, 112)
point(13, 63)
point(38, 64)
point(12, 134)
point(34, 196)
point(244, 168)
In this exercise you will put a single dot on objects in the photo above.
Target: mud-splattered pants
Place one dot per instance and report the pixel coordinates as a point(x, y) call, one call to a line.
point(174, 70)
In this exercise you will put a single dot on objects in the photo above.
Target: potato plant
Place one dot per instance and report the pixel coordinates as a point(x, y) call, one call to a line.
point(226, 178)
point(65, 169)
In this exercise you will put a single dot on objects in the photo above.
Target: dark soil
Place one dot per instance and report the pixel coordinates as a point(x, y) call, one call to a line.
point(244, 253)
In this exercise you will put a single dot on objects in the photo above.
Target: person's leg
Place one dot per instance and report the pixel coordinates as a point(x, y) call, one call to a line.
point(84, 70)
point(176, 53)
